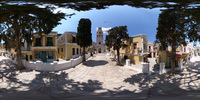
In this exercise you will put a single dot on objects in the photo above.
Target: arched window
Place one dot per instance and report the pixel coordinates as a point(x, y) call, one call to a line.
point(99, 42)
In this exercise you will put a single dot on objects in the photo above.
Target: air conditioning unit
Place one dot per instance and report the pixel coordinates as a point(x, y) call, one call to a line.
point(139, 48)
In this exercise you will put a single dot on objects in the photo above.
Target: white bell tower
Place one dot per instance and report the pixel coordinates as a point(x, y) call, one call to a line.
point(99, 40)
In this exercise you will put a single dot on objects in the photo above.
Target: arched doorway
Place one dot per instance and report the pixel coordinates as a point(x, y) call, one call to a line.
point(99, 50)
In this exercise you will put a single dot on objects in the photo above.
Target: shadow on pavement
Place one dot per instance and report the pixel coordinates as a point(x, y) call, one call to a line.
point(93, 63)
point(28, 83)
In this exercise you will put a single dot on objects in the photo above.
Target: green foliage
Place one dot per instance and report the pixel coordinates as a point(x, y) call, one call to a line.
point(192, 24)
point(117, 37)
point(171, 27)
point(26, 20)
point(19, 22)
point(84, 35)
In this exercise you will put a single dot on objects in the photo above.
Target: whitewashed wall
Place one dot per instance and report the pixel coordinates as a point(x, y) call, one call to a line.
point(55, 66)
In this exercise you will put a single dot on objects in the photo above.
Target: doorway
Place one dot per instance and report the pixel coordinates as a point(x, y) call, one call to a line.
point(99, 50)
point(43, 56)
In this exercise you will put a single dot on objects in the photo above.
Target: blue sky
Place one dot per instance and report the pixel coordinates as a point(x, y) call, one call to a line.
point(138, 20)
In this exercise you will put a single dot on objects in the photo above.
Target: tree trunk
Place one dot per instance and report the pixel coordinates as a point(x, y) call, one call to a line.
point(173, 58)
point(83, 54)
point(19, 55)
point(118, 60)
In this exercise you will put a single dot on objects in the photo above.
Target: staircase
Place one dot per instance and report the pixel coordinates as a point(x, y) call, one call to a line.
point(153, 65)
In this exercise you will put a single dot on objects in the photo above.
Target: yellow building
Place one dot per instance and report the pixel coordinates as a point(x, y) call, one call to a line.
point(43, 48)
point(136, 50)
point(165, 55)
point(67, 46)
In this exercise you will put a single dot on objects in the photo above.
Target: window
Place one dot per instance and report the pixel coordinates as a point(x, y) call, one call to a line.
point(38, 42)
point(197, 49)
point(58, 50)
point(134, 45)
point(49, 41)
point(74, 40)
point(61, 49)
point(99, 42)
point(37, 54)
point(73, 51)
point(23, 55)
point(144, 46)
point(77, 51)
point(149, 48)
point(50, 54)
point(30, 57)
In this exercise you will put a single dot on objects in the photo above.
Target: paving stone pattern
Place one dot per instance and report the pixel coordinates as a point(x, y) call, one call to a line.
point(98, 76)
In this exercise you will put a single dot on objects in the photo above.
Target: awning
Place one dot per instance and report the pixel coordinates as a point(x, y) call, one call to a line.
point(179, 55)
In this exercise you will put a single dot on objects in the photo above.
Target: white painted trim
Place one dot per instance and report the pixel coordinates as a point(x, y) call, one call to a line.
point(65, 37)
point(66, 51)
point(55, 40)
point(51, 33)
point(44, 47)
point(142, 49)
point(43, 41)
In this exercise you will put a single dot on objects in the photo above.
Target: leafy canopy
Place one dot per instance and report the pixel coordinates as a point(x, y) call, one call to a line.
point(117, 37)
point(23, 20)
point(84, 35)
point(171, 27)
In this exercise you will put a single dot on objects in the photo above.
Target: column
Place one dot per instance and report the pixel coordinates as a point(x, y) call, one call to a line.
point(55, 40)
point(128, 63)
point(162, 68)
point(145, 67)
point(43, 40)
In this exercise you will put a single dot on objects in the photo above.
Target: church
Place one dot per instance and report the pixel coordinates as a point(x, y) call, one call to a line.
point(99, 45)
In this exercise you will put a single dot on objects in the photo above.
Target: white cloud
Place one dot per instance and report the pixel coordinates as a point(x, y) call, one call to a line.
point(104, 29)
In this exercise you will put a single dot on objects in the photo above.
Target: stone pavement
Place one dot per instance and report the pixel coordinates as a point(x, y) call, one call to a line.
point(100, 76)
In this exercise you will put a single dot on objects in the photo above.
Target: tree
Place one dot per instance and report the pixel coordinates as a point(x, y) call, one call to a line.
point(19, 22)
point(84, 35)
point(171, 31)
point(116, 39)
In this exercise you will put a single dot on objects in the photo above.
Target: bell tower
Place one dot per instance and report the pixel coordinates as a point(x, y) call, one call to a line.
point(99, 38)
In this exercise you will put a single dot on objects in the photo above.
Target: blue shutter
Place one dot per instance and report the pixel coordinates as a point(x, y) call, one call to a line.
point(40, 54)
point(53, 54)
point(47, 54)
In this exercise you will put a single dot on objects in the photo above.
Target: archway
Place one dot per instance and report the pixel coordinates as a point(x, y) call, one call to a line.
point(99, 50)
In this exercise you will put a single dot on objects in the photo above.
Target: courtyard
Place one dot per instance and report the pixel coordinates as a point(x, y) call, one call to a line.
point(99, 76)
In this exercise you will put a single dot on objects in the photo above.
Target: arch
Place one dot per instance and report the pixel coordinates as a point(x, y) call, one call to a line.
point(99, 50)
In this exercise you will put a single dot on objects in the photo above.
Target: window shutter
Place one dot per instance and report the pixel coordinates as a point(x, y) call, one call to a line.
point(47, 54)
point(53, 54)
point(40, 54)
